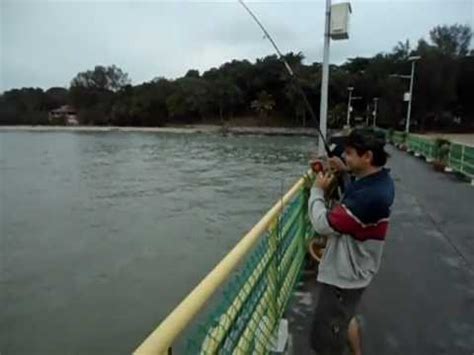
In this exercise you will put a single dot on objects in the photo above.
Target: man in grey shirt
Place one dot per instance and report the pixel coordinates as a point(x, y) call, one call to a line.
point(355, 229)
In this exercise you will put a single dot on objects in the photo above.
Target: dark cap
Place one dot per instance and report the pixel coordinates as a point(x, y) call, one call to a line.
point(365, 139)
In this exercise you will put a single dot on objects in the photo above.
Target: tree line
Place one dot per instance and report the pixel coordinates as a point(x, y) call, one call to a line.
point(442, 97)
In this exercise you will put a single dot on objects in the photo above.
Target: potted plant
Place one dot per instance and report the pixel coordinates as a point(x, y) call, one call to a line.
point(403, 145)
point(442, 147)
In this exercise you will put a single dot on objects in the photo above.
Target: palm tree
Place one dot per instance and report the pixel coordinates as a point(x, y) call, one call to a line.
point(263, 104)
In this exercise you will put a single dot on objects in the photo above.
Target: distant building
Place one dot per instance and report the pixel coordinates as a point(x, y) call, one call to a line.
point(64, 115)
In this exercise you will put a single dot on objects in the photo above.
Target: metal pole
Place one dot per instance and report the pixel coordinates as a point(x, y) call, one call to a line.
point(349, 109)
point(323, 111)
point(375, 111)
point(412, 77)
point(367, 113)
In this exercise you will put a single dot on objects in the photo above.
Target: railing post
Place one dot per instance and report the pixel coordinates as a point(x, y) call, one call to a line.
point(449, 168)
point(304, 220)
point(431, 152)
point(274, 276)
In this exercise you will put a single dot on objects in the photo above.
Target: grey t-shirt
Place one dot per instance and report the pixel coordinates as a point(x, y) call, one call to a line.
point(355, 230)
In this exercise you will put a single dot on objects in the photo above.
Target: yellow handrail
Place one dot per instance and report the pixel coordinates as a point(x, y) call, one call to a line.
point(162, 338)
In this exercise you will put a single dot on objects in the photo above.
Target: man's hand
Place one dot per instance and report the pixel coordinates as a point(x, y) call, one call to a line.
point(337, 164)
point(324, 181)
point(316, 165)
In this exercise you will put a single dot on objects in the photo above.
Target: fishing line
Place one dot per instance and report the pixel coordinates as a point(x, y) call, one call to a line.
point(292, 75)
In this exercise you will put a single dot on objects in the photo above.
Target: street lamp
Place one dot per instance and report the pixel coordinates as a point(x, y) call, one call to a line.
point(412, 59)
point(367, 114)
point(349, 105)
point(350, 89)
point(336, 27)
point(376, 99)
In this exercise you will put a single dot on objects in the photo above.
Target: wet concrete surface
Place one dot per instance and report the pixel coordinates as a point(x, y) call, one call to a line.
point(422, 299)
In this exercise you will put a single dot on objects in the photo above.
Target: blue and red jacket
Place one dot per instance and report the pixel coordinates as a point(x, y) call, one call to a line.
point(365, 208)
point(356, 229)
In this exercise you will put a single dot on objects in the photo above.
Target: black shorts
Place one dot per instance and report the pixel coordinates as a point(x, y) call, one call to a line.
point(335, 308)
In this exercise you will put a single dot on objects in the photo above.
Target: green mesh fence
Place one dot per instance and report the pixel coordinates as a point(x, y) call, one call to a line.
point(398, 137)
point(461, 159)
point(245, 319)
point(421, 145)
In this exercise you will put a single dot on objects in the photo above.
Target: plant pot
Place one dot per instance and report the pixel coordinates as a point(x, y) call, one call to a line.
point(403, 147)
point(439, 165)
point(316, 250)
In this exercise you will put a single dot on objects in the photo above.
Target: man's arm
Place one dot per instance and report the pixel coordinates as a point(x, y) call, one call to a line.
point(318, 212)
point(340, 166)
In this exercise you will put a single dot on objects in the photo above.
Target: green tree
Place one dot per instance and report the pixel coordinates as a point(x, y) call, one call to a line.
point(56, 97)
point(23, 106)
point(401, 51)
point(435, 90)
point(264, 104)
point(109, 78)
point(226, 96)
point(337, 115)
point(190, 100)
point(442, 91)
point(93, 91)
point(193, 73)
point(452, 40)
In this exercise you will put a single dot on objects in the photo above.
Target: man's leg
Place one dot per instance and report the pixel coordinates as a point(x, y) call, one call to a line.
point(329, 328)
point(354, 337)
point(332, 320)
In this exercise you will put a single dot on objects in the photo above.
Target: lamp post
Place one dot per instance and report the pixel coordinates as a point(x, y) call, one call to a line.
point(336, 27)
point(350, 89)
point(349, 105)
point(376, 99)
point(367, 114)
point(323, 110)
point(413, 60)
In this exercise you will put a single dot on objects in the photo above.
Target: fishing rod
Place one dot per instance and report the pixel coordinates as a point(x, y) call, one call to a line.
point(336, 190)
point(292, 76)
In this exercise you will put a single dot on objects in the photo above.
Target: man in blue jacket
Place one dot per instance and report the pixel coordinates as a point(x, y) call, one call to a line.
point(355, 229)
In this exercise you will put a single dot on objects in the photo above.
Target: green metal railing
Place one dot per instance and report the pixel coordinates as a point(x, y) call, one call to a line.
point(398, 137)
point(265, 264)
point(423, 146)
point(254, 301)
point(461, 159)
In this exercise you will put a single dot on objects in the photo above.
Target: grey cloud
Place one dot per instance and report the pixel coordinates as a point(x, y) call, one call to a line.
point(46, 43)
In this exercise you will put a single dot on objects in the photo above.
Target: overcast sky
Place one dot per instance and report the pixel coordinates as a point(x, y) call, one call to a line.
point(46, 43)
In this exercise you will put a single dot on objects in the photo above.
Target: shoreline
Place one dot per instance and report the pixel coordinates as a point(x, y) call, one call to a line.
point(188, 129)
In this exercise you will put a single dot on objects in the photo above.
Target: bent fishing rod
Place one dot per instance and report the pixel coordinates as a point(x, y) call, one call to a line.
point(292, 76)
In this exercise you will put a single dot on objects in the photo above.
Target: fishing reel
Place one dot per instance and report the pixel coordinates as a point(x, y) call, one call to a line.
point(318, 166)
point(335, 190)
